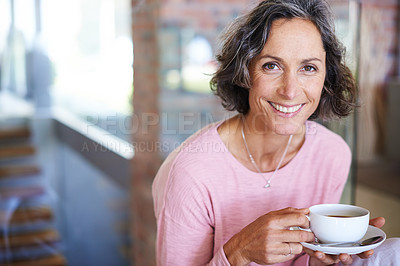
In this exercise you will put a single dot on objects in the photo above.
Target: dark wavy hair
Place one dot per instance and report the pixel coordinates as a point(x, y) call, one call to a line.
point(245, 38)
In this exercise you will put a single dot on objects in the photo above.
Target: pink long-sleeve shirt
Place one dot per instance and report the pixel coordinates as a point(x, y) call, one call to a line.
point(203, 195)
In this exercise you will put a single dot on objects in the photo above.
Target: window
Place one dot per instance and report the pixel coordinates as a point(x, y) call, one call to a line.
point(74, 54)
point(187, 60)
point(187, 42)
point(17, 34)
point(89, 43)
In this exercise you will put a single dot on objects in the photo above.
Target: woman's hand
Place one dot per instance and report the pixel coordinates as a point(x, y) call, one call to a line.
point(319, 258)
point(268, 239)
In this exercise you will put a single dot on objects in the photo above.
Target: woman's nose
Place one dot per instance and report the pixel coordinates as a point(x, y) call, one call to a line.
point(290, 86)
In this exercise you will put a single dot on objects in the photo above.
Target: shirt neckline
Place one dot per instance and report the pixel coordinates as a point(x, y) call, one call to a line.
point(248, 171)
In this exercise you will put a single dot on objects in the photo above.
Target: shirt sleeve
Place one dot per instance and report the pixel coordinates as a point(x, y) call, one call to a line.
point(185, 225)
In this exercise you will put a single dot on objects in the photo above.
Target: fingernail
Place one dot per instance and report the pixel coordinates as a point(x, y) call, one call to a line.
point(320, 256)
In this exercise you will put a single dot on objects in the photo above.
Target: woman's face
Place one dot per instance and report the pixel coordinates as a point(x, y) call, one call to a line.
point(287, 77)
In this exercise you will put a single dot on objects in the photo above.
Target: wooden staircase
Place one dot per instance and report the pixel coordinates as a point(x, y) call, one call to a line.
point(9, 171)
point(16, 132)
point(16, 151)
point(27, 234)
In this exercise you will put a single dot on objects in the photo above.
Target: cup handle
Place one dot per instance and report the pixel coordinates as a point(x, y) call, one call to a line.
point(304, 229)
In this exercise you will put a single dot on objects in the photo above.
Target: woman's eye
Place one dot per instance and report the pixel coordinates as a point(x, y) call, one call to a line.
point(270, 66)
point(309, 68)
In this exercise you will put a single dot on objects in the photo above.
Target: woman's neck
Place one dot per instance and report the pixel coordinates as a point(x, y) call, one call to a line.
point(265, 145)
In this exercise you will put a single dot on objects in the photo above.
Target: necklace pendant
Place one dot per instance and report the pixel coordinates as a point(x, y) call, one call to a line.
point(268, 185)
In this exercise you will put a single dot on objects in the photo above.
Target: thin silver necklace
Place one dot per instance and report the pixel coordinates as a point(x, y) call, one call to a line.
point(268, 184)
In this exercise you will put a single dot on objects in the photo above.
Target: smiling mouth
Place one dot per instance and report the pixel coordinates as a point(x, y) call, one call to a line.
point(286, 110)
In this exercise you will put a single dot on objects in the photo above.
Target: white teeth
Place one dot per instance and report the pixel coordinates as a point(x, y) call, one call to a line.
point(286, 110)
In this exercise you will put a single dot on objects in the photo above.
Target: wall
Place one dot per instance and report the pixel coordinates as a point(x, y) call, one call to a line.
point(146, 162)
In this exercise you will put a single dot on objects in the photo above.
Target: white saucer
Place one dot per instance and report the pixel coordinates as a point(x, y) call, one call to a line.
point(334, 250)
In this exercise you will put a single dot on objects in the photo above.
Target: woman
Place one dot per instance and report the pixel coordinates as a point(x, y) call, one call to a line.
point(230, 193)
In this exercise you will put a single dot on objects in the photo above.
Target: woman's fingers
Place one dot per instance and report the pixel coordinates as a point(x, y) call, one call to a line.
point(346, 259)
point(295, 236)
point(292, 248)
point(292, 210)
point(366, 254)
point(287, 219)
point(321, 257)
point(377, 222)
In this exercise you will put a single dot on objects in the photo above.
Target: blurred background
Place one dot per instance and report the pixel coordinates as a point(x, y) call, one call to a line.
point(94, 94)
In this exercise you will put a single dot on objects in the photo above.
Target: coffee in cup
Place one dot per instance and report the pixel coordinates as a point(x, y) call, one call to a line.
point(333, 223)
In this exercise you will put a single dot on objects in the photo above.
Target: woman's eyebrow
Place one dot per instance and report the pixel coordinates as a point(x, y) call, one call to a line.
point(308, 60)
point(272, 57)
point(276, 58)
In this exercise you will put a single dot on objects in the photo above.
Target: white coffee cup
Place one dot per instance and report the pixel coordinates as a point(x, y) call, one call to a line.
point(332, 223)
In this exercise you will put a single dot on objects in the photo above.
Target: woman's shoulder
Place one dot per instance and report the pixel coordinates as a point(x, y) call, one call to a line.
point(325, 140)
point(202, 149)
point(205, 141)
point(185, 169)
